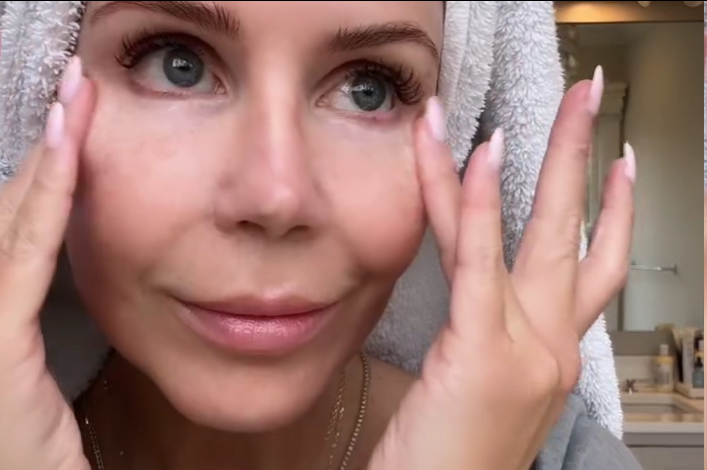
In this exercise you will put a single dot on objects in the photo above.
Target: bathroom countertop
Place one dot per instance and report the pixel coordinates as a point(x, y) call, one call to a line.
point(689, 420)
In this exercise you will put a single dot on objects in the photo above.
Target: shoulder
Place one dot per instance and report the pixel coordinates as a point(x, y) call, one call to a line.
point(579, 443)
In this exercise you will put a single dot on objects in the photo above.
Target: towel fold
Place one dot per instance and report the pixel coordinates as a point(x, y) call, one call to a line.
point(500, 68)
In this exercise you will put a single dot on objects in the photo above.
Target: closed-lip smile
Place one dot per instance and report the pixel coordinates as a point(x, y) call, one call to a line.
point(251, 325)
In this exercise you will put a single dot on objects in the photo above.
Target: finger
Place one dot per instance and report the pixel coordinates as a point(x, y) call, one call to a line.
point(30, 245)
point(440, 184)
point(13, 192)
point(603, 272)
point(479, 281)
point(549, 252)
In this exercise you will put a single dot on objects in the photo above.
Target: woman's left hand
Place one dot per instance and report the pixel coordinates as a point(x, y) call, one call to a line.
point(497, 378)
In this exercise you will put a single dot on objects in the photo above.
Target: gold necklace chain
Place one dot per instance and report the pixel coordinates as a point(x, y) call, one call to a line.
point(334, 422)
point(363, 406)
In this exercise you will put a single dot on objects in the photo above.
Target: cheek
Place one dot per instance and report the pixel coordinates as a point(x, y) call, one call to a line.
point(142, 184)
point(150, 174)
point(379, 200)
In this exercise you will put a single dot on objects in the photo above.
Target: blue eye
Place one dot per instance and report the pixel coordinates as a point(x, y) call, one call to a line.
point(183, 68)
point(371, 87)
point(364, 93)
point(369, 93)
point(170, 65)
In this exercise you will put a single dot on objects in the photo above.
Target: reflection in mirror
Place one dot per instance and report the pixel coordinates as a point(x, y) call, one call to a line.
point(653, 100)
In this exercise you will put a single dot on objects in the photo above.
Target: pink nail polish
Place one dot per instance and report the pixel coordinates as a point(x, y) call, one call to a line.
point(71, 81)
point(630, 162)
point(54, 131)
point(434, 115)
point(496, 148)
point(596, 91)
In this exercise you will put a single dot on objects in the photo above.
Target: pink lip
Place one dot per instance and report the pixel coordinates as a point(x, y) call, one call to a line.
point(256, 307)
point(257, 327)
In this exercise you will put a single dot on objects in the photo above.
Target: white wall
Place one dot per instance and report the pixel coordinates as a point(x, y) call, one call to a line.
point(664, 124)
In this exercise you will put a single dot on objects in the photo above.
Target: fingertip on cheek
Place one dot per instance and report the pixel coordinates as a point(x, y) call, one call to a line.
point(435, 119)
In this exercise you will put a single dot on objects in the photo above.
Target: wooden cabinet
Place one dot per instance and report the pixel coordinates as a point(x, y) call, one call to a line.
point(670, 458)
point(667, 451)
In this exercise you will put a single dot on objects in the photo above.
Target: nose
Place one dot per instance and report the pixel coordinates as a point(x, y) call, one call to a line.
point(268, 187)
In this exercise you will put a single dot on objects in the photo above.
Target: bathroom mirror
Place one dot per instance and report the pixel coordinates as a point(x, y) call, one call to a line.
point(654, 99)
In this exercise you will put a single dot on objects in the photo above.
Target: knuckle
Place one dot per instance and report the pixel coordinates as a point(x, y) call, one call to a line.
point(583, 146)
point(45, 182)
point(631, 213)
point(571, 370)
point(19, 243)
point(618, 275)
point(615, 273)
point(544, 375)
point(486, 258)
point(559, 235)
point(7, 210)
point(570, 231)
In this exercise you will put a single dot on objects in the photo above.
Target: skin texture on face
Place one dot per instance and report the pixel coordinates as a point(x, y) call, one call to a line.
point(262, 149)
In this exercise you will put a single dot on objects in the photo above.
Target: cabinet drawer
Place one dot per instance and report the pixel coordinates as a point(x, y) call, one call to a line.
point(670, 458)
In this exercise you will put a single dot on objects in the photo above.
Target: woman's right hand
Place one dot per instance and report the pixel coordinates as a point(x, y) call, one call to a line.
point(38, 430)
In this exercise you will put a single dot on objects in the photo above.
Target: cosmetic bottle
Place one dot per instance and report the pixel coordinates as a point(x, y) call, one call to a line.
point(698, 373)
point(664, 370)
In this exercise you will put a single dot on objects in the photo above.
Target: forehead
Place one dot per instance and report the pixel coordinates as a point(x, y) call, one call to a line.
point(252, 19)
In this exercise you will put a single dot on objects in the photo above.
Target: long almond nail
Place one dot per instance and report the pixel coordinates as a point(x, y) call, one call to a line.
point(71, 81)
point(596, 91)
point(630, 162)
point(496, 148)
point(434, 116)
point(54, 131)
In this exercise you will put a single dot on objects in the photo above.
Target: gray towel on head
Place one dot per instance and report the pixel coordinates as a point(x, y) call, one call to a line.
point(500, 67)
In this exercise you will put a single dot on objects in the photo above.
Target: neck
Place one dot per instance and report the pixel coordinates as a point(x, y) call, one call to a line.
point(137, 428)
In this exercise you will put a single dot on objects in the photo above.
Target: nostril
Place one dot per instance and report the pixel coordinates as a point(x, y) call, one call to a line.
point(299, 232)
point(250, 226)
point(270, 230)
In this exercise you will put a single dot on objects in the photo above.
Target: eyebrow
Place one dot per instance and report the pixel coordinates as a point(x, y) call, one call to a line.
point(213, 18)
point(216, 19)
point(365, 37)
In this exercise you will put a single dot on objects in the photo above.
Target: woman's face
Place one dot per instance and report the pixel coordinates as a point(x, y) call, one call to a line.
point(249, 195)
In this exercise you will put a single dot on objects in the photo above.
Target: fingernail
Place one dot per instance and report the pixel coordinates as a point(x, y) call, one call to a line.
point(630, 162)
point(496, 148)
point(54, 132)
point(434, 115)
point(596, 91)
point(71, 81)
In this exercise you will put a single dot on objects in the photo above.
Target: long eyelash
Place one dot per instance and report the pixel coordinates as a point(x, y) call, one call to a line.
point(135, 48)
point(405, 83)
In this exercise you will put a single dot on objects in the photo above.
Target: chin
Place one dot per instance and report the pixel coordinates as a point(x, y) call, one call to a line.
point(248, 413)
point(238, 395)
